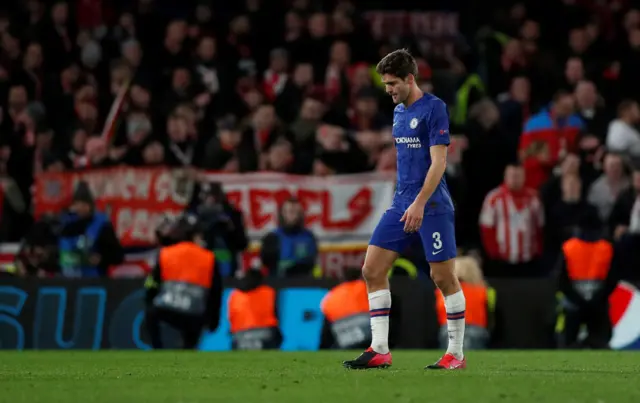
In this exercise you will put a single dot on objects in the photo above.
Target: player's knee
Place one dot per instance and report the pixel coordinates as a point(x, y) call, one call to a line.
point(435, 276)
point(373, 275)
point(445, 280)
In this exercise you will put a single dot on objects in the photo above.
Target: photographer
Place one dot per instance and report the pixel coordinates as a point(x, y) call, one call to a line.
point(38, 254)
point(223, 226)
point(165, 231)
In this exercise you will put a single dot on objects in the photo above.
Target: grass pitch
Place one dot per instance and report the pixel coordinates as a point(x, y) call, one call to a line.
point(314, 377)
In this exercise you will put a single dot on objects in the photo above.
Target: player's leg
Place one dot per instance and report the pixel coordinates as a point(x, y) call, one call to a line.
point(387, 240)
point(375, 271)
point(377, 264)
point(439, 241)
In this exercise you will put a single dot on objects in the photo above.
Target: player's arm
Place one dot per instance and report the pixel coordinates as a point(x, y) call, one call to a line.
point(438, 142)
point(434, 175)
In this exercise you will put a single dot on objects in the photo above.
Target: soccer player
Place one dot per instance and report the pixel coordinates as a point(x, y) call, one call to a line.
point(422, 207)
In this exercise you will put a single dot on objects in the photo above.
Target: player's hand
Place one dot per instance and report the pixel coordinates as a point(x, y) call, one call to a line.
point(412, 217)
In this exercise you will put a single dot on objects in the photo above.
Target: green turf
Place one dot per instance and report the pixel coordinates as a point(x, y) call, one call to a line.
point(265, 377)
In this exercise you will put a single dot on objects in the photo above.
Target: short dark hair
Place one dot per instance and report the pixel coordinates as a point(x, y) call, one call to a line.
point(625, 105)
point(561, 94)
point(398, 63)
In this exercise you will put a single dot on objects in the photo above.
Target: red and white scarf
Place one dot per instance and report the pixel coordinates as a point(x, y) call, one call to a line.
point(274, 84)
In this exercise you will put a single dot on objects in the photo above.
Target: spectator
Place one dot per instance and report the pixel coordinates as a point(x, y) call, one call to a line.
point(511, 223)
point(32, 71)
point(87, 241)
point(295, 39)
point(173, 52)
point(551, 191)
point(593, 114)
point(337, 152)
point(591, 152)
point(604, 192)
point(139, 135)
point(485, 137)
point(573, 73)
point(512, 63)
point(625, 216)
point(181, 146)
point(515, 108)
point(629, 65)
point(276, 77)
point(622, 136)
point(291, 250)
point(366, 114)
point(565, 214)
point(336, 83)
point(228, 152)
point(319, 44)
point(265, 128)
point(304, 128)
point(547, 137)
point(211, 72)
point(301, 86)
point(279, 157)
point(60, 36)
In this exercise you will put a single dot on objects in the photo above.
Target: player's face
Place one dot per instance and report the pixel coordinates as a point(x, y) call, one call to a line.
point(397, 87)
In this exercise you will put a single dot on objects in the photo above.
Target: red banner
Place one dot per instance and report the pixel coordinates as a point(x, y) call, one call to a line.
point(135, 199)
point(344, 207)
point(336, 208)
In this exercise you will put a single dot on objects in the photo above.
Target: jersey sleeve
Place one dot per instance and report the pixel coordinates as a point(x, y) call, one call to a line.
point(439, 125)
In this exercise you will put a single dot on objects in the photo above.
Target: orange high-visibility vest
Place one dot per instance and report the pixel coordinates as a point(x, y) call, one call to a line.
point(187, 262)
point(587, 261)
point(344, 300)
point(253, 309)
point(476, 305)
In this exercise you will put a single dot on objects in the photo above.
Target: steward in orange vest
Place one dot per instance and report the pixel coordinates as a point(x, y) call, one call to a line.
point(586, 281)
point(347, 317)
point(480, 306)
point(346, 312)
point(184, 289)
point(252, 314)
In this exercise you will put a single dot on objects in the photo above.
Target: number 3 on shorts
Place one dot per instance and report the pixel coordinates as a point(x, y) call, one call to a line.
point(437, 243)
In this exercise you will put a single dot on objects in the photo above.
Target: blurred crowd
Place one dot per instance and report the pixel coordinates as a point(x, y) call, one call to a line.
point(543, 104)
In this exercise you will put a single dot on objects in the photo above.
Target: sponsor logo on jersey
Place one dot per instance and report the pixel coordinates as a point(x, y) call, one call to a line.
point(411, 142)
point(407, 140)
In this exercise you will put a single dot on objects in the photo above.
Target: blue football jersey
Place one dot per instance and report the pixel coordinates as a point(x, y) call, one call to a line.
point(416, 129)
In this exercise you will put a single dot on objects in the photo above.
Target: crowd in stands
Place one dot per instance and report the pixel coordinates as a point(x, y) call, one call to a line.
point(543, 104)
